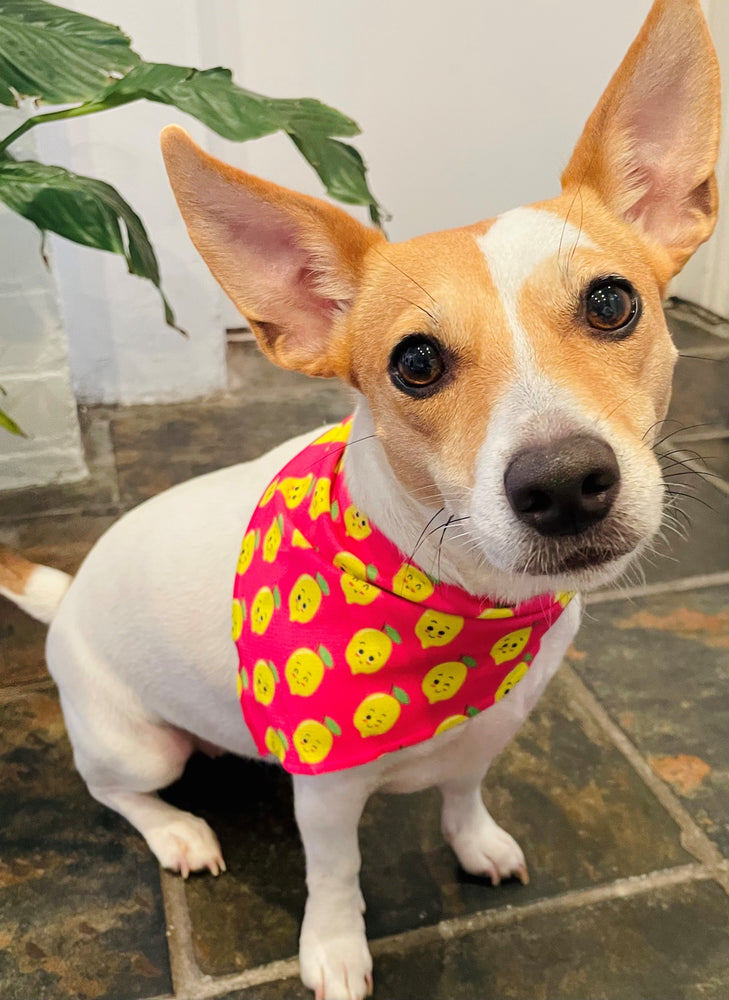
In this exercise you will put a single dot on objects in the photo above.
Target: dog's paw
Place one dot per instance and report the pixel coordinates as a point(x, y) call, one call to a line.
point(490, 852)
point(186, 844)
point(334, 958)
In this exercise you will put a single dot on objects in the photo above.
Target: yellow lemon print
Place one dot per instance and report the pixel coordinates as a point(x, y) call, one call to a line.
point(320, 502)
point(511, 680)
point(450, 723)
point(248, 547)
point(436, 628)
point(511, 645)
point(564, 597)
point(298, 541)
point(442, 681)
point(272, 540)
point(379, 712)
point(294, 490)
point(356, 524)
point(349, 563)
point(305, 670)
point(276, 743)
point(313, 740)
point(412, 583)
point(497, 613)
point(265, 679)
point(369, 649)
point(305, 597)
point(357, 591)
point(334, 435)
point(239, 616)
point(264, 604)
point(268, 495)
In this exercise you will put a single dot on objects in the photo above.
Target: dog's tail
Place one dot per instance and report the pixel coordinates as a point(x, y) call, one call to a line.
point(37, 589)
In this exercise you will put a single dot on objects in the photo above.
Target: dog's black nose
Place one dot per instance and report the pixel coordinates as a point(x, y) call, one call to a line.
point(565, 487)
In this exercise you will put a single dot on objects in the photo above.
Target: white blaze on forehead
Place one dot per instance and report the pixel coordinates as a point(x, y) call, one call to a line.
point(517, 243)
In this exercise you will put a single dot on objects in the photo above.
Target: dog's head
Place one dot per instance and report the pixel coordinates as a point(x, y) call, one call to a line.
point(515, 370)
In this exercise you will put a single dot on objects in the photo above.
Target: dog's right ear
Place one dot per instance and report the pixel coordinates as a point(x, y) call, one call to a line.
point(290, 263)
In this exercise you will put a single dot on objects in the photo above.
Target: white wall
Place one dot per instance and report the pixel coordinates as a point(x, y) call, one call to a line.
point(121, 349)
point(33, 356)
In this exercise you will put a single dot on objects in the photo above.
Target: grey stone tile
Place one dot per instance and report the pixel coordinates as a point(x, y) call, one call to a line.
point(689, 337)
point(80, 905)
point(700, 396)
point(660, 665)
point(670, 943)
point(561, 789)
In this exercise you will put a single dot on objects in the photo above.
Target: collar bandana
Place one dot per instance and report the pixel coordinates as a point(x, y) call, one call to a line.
point(347, 650)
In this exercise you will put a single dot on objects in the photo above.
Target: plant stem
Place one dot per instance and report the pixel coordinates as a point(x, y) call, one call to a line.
point(56, 116)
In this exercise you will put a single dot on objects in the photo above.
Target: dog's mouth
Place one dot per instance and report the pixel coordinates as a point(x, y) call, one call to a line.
point(579, 554)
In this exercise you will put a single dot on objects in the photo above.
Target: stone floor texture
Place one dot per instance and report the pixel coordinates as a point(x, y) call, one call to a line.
point(617, 786)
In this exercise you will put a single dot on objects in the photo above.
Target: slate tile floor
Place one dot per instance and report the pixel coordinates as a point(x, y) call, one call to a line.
point(617, 787)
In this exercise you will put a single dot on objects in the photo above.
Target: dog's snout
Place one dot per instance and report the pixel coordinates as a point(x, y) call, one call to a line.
point(565, 487)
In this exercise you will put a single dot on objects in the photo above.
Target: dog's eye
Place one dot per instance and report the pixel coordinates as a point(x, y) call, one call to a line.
point(612, 306)
point(417, 364)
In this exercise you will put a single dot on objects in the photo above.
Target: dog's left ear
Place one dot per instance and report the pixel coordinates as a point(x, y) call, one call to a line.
point(650, 146)
point(291, 264)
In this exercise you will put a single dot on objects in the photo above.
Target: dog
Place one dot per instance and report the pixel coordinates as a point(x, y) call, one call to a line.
point(509, 379)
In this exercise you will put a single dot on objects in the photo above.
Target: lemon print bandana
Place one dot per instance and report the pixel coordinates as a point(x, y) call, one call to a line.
point(347, 649)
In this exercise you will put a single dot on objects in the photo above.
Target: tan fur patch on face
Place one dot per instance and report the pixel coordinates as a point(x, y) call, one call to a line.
point(14, 570)
point(441, 285)
point(437, 285)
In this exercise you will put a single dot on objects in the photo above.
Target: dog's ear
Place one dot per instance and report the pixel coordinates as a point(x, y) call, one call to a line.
point(650, 146)
point(290, 263)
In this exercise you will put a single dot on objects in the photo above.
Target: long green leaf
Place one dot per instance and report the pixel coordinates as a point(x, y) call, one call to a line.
point(238, 114)
point(57, 55)
point(7, 422)
point(82, 209)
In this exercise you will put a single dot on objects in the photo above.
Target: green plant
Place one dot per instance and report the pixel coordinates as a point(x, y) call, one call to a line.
point(57, 56)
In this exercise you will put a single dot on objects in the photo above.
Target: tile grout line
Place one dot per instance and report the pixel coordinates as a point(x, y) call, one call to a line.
point(186, 976)
point(684, 583)
point(209, 987)
point(693, 838)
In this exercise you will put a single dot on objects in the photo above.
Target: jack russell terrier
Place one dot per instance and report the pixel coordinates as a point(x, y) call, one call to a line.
point(403, 587)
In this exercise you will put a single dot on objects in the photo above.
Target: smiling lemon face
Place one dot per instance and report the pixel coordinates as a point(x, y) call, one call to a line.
point(320, 502)
point(443, 681)
point(313, 741)
point(294, 490)
point(264, 682)
point(377, 714)
point(262, 610)
point(356, 524)
point(304, 599)
point(368, 651)
point(511, 680)
point(272, 541)
point(412, 583)
point(304, 672)
point(511, 646)
point(248, 547)
point(436, 628)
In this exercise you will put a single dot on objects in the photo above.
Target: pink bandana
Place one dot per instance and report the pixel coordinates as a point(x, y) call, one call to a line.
point(348, 650)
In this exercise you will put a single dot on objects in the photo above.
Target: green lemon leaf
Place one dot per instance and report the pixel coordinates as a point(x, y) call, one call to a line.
point(332, 726)
point(371, 572)
point(325, 656)
point(272, 665)
point(323, 585)
point(243, 608)
point(471, 711)
point(244, 678)
point(400, 695)
point(335, 511)
point(394, 636)
point(276, 597)
point(282, 737)
point(469, 661)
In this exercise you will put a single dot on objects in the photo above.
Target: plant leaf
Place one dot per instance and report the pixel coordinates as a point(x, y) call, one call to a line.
point(84, 210)
point(9, 424)
point(213, 98)
point(56, 55)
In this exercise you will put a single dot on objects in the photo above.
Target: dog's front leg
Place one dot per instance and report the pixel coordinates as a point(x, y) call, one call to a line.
point(335, 960)
point(480, 844)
